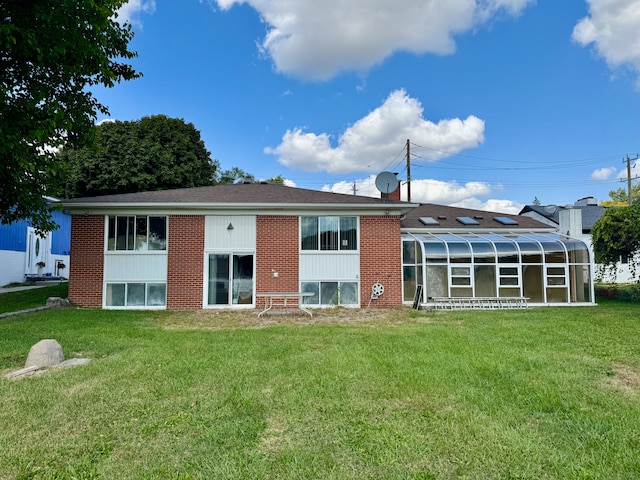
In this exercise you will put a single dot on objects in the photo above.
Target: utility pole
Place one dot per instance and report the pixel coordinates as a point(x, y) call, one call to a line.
point(408, 170)
point(628, 160)
point(354, 187)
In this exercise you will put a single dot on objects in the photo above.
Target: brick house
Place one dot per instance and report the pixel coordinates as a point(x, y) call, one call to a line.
point(224, 246)
point(220, 246)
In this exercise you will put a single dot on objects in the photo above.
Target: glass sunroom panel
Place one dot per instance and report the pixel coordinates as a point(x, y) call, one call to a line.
point(435, 252)
point(410, 280)
point(532, 283)
point(459, 252)
point(460, 292)
point(409, 252)
point(437, 281)
point(557, 295)
point(507, 252)
point(509, 292)
point(553, 252)
point(579, 278)
point(485, 280)
point(483, 252)
point(578, 252)
point(530, 252)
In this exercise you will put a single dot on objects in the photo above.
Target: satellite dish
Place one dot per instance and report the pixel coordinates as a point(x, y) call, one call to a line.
point(387, 182)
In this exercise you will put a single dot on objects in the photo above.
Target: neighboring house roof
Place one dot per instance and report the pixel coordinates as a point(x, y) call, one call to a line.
point(590, 213)
point(455, 218)
point(237, 196)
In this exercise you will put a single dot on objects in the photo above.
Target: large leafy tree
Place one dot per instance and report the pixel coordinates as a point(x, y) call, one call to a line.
point(617, 234)
point(153, 153)
point(51, 52)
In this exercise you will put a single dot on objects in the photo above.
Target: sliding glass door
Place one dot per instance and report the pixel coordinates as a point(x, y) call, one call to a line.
point(230, 279)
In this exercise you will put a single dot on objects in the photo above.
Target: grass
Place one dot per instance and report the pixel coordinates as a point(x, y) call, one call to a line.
point(544, 393)
point(32, 298)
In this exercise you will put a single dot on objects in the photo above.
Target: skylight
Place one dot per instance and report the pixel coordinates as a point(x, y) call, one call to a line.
point(467, 221)
point(429, 221)
point(506, 220)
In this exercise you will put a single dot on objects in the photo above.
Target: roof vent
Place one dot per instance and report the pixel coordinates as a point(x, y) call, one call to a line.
point(442, 217)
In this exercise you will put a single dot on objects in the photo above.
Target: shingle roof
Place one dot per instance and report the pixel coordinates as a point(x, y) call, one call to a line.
point(447, 219)
point(590, 213)
point(251, 194)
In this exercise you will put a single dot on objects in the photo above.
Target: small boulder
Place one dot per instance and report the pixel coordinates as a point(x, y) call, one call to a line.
point(57, 302)
point(45, 353)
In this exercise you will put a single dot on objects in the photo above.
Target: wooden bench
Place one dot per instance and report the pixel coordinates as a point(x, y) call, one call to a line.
point(479, 303)
point(279, 299)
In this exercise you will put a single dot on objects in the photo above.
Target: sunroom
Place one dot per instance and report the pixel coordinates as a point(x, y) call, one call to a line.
point(543, 268)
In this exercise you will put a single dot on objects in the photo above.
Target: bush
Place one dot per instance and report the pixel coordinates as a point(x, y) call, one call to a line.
point(629, 292)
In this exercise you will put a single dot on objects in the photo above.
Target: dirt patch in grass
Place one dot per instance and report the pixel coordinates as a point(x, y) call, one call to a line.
point(225, 319)
point(624, 377)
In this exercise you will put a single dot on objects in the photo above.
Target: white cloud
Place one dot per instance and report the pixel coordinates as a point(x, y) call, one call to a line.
point(318, 39)
point(369, 143)
point(604, 173)
point(435, 191)
point(128, 13)
point(612, 28)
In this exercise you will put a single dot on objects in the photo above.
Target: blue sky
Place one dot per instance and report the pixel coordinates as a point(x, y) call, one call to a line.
point(502, 100)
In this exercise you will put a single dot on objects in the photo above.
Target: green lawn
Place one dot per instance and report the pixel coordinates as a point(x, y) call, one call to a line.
point(541, 393)
point(34, 297)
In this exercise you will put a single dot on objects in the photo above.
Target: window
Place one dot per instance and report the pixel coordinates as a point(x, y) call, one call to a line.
point(136, 294)
point(330, 293)
point(329, 233)
point(136, 233)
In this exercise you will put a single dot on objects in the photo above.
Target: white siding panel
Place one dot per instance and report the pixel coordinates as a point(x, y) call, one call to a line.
point(217, 234)
point(327, 266)
point(130, 267)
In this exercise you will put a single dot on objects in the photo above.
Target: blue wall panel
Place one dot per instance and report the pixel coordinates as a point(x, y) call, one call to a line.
point(61, 238)
point(14, 236)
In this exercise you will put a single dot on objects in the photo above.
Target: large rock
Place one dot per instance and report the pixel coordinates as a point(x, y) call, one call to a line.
point(45, 353)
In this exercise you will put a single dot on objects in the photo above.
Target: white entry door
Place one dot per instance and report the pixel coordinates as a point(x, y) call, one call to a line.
point(37, 253)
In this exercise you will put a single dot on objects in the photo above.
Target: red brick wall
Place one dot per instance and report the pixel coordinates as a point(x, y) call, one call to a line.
point(380, 260)
point(185, 262)
point(86, 260)
point(276, 249)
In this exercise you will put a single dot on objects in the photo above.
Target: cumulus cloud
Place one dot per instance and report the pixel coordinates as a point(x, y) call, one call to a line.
point(435, 191)
point(128, 13)
point(369, 143)
point(612, 29)
point(317, 40)
point(604, 173)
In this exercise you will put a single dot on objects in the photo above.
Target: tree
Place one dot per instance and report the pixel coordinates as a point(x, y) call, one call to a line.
point(620, 197)
point(235, 175)
point(51, 53)
point(615, 235)
point(153, 153)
